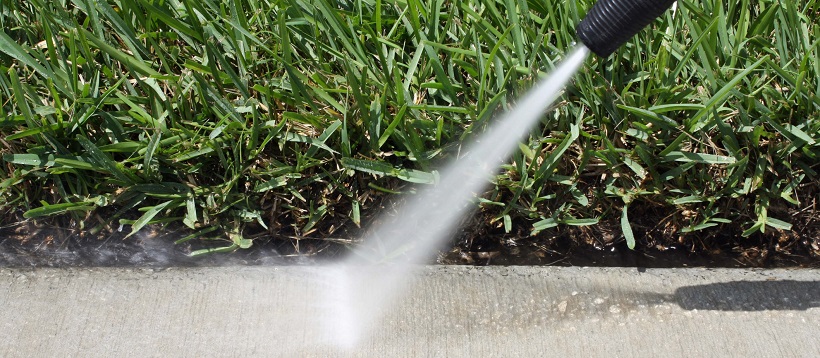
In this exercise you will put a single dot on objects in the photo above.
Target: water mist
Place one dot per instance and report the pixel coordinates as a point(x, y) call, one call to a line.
point(359, 288)
point(359, 291)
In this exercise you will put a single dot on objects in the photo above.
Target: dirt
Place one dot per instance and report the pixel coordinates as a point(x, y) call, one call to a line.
point(659, 243)
point(31, 245)
point(562, 250)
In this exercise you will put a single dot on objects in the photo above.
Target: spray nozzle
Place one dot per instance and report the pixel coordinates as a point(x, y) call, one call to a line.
point(610, 23)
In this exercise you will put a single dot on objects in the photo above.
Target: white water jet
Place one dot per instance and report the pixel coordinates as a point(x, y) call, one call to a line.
point(359, 288)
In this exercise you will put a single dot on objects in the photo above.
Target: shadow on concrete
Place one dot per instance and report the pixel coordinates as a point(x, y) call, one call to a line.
point(750, 296)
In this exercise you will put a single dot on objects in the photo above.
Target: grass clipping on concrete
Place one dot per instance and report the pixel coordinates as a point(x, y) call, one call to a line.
point(296, 119)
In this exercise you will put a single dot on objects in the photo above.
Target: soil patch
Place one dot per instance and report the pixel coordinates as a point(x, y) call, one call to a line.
point(29, 245)
point(479, 242)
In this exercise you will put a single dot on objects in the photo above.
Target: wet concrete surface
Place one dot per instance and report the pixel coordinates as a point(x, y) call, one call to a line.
point(447, 311)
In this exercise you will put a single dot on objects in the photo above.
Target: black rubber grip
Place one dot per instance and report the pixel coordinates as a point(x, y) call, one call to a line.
point(611, 23)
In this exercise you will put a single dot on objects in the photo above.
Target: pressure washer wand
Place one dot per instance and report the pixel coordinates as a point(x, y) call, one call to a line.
point(611, 23)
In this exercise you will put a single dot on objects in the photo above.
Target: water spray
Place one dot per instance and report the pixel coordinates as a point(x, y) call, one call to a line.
point(357, 290)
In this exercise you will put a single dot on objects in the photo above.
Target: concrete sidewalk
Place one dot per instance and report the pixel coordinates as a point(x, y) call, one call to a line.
point(448, 312)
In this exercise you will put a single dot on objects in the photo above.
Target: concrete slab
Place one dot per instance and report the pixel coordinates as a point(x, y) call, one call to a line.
point(447, 312)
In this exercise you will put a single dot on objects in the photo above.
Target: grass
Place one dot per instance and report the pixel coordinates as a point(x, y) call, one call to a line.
point(296, 118)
